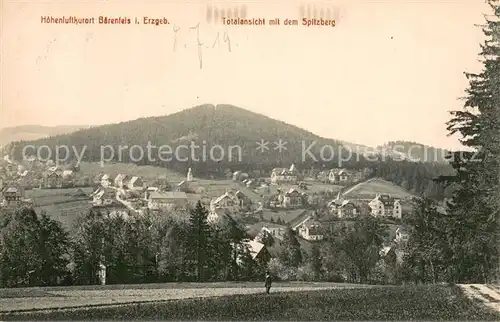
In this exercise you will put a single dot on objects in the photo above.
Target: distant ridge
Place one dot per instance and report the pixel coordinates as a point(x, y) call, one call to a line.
point(34, 132)
point(224, 125)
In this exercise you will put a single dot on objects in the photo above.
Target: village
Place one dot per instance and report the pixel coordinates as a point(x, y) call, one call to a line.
point(265, 206)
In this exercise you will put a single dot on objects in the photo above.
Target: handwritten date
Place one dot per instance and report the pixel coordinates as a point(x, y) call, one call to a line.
point(199, 44)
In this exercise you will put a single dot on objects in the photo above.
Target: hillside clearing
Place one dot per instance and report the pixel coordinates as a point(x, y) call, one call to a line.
point(370, 188)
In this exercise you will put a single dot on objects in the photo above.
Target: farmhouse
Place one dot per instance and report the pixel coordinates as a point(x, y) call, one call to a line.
point(283, 175)
point(170, 199)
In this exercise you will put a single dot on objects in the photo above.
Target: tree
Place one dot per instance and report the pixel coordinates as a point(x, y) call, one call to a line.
point(291, 253)
point(199, 236)
point(54, 242)
point(316, 261)
point(88, 247)
point(427, 251)
point(362, 245)
point(33, 251)
point(473, 220)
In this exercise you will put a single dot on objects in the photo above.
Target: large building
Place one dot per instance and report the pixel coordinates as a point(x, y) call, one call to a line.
point(386, 206)
point(283, 175)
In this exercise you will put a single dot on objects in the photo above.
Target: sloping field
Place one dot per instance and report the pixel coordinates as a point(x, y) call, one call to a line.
point(376, 303)
point(370, 188)
point(64, 297)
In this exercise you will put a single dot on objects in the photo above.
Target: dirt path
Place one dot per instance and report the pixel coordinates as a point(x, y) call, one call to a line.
point(489, 295)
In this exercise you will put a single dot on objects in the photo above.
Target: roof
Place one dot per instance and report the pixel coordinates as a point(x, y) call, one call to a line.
point(272, 225)
point(105, 177)
point(225, 195)
point(403, 230)
point(168, 195)
point(12, 189)
point(255, 247)
point(133, 180)
point(120, 176)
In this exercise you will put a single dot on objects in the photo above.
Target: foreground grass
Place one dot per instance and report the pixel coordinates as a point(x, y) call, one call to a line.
point(388, 303)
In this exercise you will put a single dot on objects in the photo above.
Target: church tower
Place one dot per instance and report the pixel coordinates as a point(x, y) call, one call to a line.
point(189, 176)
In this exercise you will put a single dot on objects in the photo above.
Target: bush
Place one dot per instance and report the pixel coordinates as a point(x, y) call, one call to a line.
point(280, 271)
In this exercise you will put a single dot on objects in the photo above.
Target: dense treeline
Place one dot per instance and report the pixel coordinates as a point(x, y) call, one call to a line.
point(36, 251)
point(463, 245)
point(417, 177)
point(417, 152)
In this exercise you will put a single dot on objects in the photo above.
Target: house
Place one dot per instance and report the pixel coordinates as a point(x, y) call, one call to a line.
point(323, 176)
point(220, 216)
point(243, 200)
point(135, 183)
point(257, 250)
point(402, 234)
point(79, 193)
point(239, 176)
point(310, 230)
point(283, 175)
point(333, 176)
point(149, 190)
point(227, 201)
point(183, 186)
point(52, 179)
point(170, 199)
point(384, 205)
point(121, 180)
point(12, 196)
point(106, 181)
point(293, 199)
point(348, 210)
point(274, 230)
point(103, 196)
point(68, 178)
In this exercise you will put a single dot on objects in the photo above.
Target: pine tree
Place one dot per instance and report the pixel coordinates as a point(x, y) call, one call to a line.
point(474, 213)
point(199, 236)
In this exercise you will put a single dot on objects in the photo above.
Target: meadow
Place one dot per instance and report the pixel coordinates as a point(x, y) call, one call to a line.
point(60, 204)
point(426, 302)
point(371, 187)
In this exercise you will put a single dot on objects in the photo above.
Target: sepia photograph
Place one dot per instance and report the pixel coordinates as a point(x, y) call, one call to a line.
point(330, 160)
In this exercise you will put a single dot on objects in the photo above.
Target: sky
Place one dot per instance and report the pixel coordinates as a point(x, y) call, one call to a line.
point(388, 70)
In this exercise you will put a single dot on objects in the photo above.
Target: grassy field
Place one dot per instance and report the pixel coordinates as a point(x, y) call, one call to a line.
point(59, 203)
point(370, 188)
point(379, 303)
point(67, 213)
